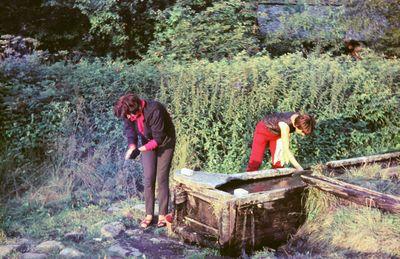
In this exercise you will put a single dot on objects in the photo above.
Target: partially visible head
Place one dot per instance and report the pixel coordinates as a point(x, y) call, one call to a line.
point(128, 104)
point(354, 48)
point(304, 123)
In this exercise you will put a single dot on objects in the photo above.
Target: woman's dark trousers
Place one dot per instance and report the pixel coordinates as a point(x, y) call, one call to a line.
point(156, 165)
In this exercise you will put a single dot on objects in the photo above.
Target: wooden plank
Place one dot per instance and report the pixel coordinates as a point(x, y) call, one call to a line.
point(189, 235)
point(200, 225)
point(232, 217)
point(203, 211)
point(295, 2)
point(362, 160)
point(209, 195)
point(354, 193)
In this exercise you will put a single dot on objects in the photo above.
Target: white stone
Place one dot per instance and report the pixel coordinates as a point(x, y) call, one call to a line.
point(239, 192)
point(71, 253)
point(112, 229)
point(49, 247)
point(155, 240)
point(186, 171)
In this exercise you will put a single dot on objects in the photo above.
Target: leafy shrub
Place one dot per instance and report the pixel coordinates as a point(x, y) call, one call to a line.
point(217, 105)
point(48, 104)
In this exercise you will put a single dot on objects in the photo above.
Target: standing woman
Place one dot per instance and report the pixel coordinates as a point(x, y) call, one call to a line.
point(274, 130)
point(149, 121)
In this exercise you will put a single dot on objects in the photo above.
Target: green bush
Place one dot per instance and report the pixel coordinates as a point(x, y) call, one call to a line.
point(54, 104)
point(217, 105)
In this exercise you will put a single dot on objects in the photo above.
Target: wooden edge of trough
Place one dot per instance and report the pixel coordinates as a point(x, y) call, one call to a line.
point(199, 179)
point(362, 160)
point(354, 193)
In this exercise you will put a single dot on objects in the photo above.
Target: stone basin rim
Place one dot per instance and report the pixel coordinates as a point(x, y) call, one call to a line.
point(208, 180)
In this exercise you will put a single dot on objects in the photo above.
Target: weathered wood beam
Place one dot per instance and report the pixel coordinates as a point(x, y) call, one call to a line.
point(214, 231)
point(354, 193)
point(308, 2)
point(363, 160)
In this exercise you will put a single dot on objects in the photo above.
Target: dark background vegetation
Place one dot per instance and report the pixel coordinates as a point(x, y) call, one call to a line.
point(64, 63)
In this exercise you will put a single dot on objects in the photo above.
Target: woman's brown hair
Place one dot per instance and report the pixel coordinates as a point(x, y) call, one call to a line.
point(305, 123)
point(127, 104)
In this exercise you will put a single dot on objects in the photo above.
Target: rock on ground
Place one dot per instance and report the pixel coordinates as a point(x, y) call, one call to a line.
point(75, 236)
point(33, 256)
point(134, 232)
point(71, 253)
point(117, 250)
point(112, 230)
point(135, 252)
point(23, 245)
point(113, 209)
point(49, 247)
point(6, 250)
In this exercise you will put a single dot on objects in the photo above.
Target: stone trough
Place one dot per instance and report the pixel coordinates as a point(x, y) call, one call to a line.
point(238, 211)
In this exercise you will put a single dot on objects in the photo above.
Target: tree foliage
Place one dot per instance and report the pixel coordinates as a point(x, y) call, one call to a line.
point(121, 28)
point(218, 30)
point(56, 27)
point(195, 29)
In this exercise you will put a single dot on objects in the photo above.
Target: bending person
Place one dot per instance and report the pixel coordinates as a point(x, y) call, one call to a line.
point(274, 130)
point(149, 121)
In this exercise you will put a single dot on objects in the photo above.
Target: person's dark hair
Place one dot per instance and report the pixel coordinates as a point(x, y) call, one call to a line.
point(305, 123)
point(127, 104)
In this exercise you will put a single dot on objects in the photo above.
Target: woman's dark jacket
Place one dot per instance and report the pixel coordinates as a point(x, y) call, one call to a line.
point(272, 121)
point(157, 125)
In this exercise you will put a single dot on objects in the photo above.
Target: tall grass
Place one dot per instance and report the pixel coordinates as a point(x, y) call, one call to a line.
point(336, 229)
point(375, 178)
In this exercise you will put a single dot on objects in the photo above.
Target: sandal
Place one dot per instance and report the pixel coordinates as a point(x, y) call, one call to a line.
point(145, 223)
point(161, 223)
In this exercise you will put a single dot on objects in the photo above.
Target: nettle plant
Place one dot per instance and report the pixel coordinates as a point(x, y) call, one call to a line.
point(217, 105)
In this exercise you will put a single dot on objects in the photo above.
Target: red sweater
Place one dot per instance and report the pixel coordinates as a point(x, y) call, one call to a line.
point(152, 144)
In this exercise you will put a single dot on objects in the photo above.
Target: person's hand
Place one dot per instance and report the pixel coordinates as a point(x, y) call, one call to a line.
point(129, 151)
point(299, 168)
point(142, 149)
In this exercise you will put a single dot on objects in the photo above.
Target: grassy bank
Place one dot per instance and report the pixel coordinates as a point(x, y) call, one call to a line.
point(334, 230)
point(375, 178)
